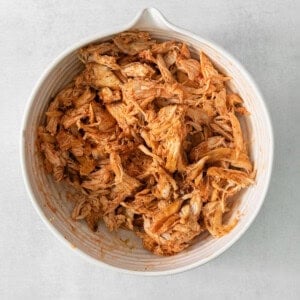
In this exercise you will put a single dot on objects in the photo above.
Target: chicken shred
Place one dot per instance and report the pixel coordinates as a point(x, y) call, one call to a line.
point(149, 136)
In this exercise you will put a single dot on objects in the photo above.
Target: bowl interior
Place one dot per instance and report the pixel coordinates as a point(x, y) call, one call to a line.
point(122, 249)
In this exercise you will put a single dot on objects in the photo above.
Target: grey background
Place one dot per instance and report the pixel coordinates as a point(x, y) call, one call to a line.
point(264, 263)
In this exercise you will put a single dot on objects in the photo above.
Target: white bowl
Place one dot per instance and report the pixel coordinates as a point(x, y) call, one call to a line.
point(112, 249)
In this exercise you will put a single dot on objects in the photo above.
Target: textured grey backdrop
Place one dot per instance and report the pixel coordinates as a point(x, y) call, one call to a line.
point(265, 263)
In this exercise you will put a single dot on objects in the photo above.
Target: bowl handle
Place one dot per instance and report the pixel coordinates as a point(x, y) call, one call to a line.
point(150, 18)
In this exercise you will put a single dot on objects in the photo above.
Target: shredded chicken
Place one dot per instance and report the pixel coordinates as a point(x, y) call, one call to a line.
point(150, 139)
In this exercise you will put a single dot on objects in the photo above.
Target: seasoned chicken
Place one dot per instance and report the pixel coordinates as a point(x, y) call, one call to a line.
point(149, 138)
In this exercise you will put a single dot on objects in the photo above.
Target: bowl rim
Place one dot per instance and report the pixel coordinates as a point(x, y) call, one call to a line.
point(144, 13)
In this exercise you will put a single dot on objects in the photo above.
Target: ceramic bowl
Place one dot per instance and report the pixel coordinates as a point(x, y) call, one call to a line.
point(122, 250)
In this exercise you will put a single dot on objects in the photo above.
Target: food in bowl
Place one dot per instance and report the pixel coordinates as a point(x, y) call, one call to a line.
point(148, 138)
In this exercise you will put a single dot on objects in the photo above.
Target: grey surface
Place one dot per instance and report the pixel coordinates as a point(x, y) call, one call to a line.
point(264, 263)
